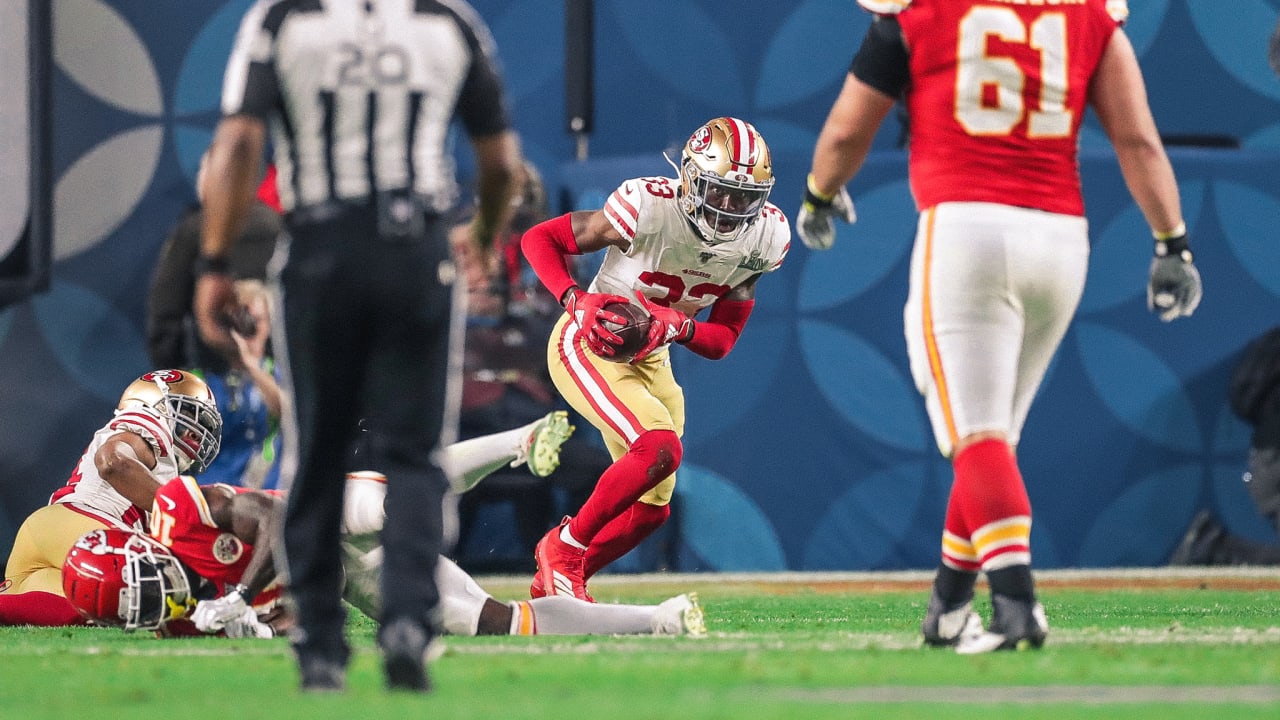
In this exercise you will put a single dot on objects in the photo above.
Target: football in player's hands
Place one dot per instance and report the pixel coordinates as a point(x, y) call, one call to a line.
point(634, 332)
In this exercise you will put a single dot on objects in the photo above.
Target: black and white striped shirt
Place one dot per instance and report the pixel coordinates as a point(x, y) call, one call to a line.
point(360, 94)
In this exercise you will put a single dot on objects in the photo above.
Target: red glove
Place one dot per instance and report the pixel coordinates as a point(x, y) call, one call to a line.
point(587, 309)
point(669, 325)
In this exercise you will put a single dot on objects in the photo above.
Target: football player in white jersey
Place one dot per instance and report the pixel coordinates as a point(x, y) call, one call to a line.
point(166, 423)
point(676, 247)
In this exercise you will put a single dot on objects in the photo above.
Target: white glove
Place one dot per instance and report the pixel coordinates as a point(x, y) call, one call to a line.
point(213, 615)
point(248, 626)
point(815, 222)
point(1173, 289)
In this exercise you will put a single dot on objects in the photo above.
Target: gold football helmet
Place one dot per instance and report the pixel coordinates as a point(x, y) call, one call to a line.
point(726, 174)
point(187, 402)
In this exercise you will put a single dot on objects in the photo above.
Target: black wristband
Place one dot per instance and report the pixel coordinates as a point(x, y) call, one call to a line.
point(690, 329)
point(242, 589)
point(567, 297)
point(814, 201)
point(205, 265)
point(1176, 245)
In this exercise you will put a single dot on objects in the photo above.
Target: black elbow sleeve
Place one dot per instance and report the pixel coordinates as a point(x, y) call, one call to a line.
point(881, 61)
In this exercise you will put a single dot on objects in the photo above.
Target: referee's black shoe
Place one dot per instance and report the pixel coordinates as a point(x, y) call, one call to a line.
point(404, 655)
point(321, 675)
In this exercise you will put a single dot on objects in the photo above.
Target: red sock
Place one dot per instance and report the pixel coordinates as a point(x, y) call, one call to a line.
point(38, 608)
point(622, 534)
point(652, 457)
point(957, 551)
point(993, 502)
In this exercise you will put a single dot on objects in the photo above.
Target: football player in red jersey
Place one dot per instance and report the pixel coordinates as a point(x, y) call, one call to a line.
point(207, 567)
point(995, 93)
point(675, 247)
point(166, 423)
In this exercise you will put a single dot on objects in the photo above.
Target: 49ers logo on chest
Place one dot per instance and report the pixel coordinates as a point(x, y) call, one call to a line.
point(227, 549)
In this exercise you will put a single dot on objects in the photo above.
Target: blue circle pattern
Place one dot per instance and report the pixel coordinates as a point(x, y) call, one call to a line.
point(808, 447)
point(1247, 218)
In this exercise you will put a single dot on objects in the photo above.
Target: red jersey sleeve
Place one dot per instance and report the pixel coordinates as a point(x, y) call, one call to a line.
point(181, 521)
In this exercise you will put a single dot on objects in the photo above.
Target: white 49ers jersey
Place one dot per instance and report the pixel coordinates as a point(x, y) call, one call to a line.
point(88, 490)
point(669, 261)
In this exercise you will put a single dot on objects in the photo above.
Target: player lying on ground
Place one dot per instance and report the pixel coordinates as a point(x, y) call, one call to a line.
point(166, 423)
point(199, 572)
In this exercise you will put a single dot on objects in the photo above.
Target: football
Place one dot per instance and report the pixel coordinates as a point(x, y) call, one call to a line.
point(634, 333)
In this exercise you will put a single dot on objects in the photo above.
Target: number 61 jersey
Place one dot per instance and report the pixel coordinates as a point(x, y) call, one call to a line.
point(1015, 77)
point(669, 261)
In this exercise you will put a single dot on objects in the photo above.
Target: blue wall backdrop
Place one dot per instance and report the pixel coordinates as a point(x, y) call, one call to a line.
point(808, 447)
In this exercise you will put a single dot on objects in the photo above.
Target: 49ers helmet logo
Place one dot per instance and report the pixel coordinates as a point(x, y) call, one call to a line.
point(167, 377)
point(701, 139)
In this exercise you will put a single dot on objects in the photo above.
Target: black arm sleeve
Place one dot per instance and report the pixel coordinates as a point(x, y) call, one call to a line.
point(481, 103)
point(882, 60)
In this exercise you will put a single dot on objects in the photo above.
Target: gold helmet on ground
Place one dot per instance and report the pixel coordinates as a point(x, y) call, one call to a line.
point(187, 402)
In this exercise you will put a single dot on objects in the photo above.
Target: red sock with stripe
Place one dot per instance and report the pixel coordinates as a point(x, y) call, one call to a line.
point(992, 503)
point(957, 551)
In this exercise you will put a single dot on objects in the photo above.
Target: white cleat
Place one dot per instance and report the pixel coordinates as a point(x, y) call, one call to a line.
point(680, 615)
point(541, 449)
point(1014, 626)
point(955, 627)
point(946, 626)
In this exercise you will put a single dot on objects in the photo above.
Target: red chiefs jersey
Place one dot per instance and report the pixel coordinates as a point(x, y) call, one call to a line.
point(997, 93)
point(182, 522)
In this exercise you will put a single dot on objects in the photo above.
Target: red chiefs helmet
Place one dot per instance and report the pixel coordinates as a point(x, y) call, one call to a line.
point(125, 579)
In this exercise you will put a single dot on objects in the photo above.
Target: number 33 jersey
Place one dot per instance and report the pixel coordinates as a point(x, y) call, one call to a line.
point(669, 262)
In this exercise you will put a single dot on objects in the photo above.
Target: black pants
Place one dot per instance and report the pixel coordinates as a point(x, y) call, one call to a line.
point(370, 348)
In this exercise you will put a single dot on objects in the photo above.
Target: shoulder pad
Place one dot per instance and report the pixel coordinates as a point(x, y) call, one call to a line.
point(146, 423)
point(1118, 10)
point(887, 7)
point(622, 209)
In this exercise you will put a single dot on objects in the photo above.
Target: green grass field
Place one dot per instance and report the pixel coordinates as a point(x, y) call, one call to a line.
point(1148, 645)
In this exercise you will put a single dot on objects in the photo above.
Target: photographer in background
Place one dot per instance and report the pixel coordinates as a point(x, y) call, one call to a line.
point(1255, 397)
point(249, 433)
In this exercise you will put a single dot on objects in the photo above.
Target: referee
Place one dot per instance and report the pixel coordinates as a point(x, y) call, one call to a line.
point(359, 96)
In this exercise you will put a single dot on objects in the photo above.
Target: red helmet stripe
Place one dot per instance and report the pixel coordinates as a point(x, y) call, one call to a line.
point(742, 145)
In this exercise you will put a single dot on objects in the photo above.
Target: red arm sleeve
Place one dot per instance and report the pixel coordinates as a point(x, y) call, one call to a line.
point(545, 246)
point(716, 337)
